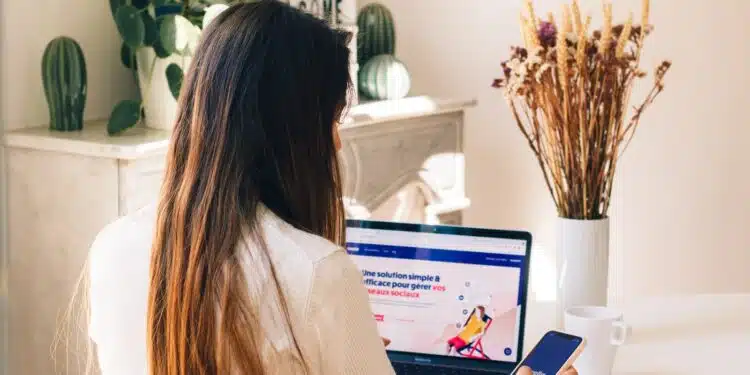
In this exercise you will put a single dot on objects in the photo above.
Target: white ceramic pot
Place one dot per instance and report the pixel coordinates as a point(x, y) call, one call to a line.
point(582, 264)
point(159, 105)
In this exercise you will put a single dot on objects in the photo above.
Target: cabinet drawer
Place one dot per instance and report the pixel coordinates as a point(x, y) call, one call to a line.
point(139, 182)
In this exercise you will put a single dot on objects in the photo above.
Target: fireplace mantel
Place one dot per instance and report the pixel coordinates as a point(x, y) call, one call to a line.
point(414, 144)
point(402, 160)
point(413, 147)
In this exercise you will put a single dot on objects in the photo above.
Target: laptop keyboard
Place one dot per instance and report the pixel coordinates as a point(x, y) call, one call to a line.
point(418, 369)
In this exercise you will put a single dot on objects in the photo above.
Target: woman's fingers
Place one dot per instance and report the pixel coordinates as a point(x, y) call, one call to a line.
point(570, 371)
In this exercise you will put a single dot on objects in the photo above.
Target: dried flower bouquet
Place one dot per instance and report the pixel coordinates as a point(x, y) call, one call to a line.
point(569, 91)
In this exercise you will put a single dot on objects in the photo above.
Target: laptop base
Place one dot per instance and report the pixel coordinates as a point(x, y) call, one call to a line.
point(403, 368)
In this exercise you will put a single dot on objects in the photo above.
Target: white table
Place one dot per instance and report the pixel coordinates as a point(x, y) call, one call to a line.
point(684, 335)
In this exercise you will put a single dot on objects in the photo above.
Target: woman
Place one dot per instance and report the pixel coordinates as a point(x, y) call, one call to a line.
point(239, 269)
point(473, 328)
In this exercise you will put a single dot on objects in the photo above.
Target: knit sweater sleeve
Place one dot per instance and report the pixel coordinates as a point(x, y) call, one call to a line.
point(340, 312)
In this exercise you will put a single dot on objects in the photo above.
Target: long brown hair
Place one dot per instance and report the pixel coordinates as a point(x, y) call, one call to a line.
point(254, 129)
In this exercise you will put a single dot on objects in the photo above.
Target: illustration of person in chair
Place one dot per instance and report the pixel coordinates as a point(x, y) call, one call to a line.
point(468, 341)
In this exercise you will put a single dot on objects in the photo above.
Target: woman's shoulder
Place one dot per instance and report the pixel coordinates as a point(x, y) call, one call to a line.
point(308, 266)
point(285, 240)
point(125, 241)
point(129, 239)
point(118, 277)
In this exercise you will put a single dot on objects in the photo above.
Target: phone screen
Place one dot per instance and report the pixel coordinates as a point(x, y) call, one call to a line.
point(550, 353)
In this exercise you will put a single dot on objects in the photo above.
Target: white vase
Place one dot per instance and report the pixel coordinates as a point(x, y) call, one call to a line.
point(582, 264)
point(159, 105)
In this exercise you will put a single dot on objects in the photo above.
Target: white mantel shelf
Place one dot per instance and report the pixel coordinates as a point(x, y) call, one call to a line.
point(403, 109)
point(92, 141)
point(142, 142)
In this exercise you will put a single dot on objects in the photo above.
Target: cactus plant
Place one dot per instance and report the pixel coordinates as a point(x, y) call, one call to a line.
point(64, 79)
point(377, 34)
point(384, 77)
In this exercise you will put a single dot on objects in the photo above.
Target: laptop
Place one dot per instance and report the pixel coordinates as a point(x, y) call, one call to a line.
point(446, 299)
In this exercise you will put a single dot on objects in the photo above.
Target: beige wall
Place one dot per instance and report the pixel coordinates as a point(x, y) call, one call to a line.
point(682, 201)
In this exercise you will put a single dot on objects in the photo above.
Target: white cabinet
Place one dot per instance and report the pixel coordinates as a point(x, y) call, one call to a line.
point(140, 180)
point(402, 160)
point(62, 189)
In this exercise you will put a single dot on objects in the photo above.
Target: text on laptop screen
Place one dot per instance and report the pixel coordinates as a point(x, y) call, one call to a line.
point(442, 294)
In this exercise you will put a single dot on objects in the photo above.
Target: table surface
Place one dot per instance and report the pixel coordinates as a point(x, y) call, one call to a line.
point(681, 335)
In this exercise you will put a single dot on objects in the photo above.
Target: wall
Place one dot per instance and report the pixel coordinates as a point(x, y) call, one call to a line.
point(681, 207)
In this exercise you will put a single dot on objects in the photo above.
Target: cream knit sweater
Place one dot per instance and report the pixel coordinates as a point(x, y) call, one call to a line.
point(330, 313)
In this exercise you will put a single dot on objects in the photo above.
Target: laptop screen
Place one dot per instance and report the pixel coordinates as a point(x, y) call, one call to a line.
point(444, 291)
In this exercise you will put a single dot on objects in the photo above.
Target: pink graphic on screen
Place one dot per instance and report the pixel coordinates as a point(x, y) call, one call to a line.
point(437, 303)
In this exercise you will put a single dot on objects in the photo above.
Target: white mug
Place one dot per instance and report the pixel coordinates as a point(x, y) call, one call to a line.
point(604, 331)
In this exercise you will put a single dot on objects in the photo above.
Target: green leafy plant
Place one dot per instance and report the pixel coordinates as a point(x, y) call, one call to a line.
point(169, 27)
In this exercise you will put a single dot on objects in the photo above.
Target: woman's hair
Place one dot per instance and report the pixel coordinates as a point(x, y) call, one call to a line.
point(255, 127)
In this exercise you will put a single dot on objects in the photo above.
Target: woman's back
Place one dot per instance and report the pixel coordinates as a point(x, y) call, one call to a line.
point(238, 268)
point(328, 306)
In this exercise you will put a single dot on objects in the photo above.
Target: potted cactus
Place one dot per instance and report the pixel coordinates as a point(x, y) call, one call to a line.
point(381, 76)
point(64, 78)
point(158, 41)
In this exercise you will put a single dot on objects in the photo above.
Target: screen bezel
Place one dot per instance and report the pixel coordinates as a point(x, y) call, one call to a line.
point(458, 362)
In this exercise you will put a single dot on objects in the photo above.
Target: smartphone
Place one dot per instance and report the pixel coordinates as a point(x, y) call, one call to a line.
point(556, 351)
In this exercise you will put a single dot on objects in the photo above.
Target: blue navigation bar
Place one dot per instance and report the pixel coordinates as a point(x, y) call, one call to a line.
point(435, 255)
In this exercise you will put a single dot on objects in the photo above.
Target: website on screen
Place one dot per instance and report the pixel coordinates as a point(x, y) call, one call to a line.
point(442, 294)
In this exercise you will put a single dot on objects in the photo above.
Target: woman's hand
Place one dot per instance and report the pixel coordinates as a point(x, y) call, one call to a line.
point(525, 370)
point(386, 341)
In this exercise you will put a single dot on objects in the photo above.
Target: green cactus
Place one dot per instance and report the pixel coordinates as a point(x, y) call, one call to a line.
point(64, 79)
point(377, 33)
point(384, 77)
